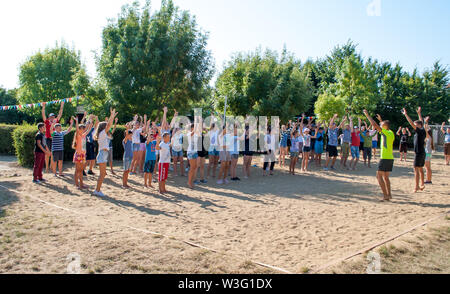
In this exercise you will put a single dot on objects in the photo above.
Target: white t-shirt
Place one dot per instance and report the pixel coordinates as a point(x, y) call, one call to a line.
point(192, 142)
point(213, 138)
point(270, 142)
point(103, 141)
point(177, 142)
point(375, 138)
point(136, 137)
point(164, 153)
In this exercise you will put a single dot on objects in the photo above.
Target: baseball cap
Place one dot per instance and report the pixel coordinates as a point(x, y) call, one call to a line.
point(51, 114)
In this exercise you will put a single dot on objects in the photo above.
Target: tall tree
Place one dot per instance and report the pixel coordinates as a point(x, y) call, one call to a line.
point(264, 84)
point(49, 75)
point(151, 60)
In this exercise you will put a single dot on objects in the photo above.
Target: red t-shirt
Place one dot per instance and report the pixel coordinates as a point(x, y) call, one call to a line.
point(48, 126)
point(356, 139)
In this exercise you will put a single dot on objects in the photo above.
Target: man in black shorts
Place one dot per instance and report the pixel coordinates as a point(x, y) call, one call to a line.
point(419, 149)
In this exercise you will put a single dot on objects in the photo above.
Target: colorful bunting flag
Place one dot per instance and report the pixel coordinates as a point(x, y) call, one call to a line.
point(10, 107)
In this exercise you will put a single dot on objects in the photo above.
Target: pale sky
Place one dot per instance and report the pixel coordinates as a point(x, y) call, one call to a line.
point(412, 32)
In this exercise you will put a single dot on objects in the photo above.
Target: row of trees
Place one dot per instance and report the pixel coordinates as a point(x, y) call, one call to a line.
point(150, 59)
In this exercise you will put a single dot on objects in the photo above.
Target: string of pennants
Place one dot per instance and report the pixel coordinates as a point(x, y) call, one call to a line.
point(32, 105)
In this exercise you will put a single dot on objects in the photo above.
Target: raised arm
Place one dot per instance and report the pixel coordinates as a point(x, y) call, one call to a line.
point(111, 119)
point(359, 123)
point(409, 133)
point(60, 111)
point(442, 128)
point(372, 121)
point(44, 117)
point(419, 113)
point(71, 125)
point(351, 123)
point(301, 125)
point(164, 123)
point(332, 120)
point(342, 122)
point(410, 121)
point(399, 131)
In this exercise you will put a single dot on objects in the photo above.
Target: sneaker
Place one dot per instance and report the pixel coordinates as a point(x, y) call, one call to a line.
point(226, 181)
point(233, 179)
point(91, 173)
point(43, 181)
point(203, 181)
point(220, 182)
point(325, 168)
point(99, 194)
point(84, 174)
point(428, 183)
point(332, 168)
point(36, 181)
point(196, 182)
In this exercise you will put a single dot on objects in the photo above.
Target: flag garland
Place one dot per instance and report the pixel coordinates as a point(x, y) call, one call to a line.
point(32, 105)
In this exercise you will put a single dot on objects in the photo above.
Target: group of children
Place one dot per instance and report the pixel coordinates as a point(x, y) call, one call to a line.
point(150, 147)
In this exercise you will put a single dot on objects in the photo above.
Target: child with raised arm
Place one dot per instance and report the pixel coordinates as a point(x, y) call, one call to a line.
point(387, 155)
point(164, 160)
point(419, 149)
point(318, 146)
point(58, 146)
point(40, 152)
point(90, 145)
point(305, 133)
point(103, 135)
point(367, 151)
point(333, 131)
point(79, 158)
point(403, 133)
point(295, 149)
point(356, 142)
point(446, 143)
point(127, 144)
point(150, 156)
point(429, 148)
point(48, 122)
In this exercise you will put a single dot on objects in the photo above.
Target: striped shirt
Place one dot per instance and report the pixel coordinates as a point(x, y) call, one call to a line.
point(58, 141)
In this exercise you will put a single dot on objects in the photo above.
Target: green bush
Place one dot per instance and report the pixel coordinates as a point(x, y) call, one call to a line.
point(23, 137)
point(6, 141)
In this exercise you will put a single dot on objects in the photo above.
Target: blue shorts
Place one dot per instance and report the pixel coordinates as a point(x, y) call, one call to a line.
point(306, 149)
point(177, 153)
point(192, 155)
point(136, 147)
point(127, 163)
point(149, 166)
point(374, 144)
point(283, 143)
point(355, 151)
point(213, 152)
point(102, 156)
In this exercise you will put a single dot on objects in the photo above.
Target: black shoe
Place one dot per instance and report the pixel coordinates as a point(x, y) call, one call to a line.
point(237, 179)
point(84, 174)
point(90, 172)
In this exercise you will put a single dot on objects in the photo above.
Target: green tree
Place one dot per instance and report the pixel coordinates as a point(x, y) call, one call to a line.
point(48, 76)
point(264, 84)
point(327, 105)
point(151, 60)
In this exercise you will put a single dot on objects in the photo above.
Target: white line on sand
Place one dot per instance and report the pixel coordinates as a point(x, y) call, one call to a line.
point(147, 231)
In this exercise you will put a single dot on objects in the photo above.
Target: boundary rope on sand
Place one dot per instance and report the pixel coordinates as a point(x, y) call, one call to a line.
point(362, 251)
point(149, 232)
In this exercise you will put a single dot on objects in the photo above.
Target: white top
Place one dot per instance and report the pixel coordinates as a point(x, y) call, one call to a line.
point(226, 141)
point(270, 142)
point(213, 138)
point(177, 142)
point(164, 153)
point(136, 139)
point(307, 140)
point(103, 141)
point(192, 142)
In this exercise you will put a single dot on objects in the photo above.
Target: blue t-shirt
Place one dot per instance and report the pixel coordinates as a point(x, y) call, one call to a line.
point(361, 137)
point(333, 137)
point(151, 151)
point(128, 149)
point(295, 147)
point(347, 136)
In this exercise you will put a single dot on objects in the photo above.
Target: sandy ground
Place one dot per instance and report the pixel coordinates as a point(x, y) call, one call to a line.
point(297, 223)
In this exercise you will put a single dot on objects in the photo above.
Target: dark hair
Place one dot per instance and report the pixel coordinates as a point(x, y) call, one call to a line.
point(40, 125)
point(269, 129)
point(419, 122)
point(430, 132)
